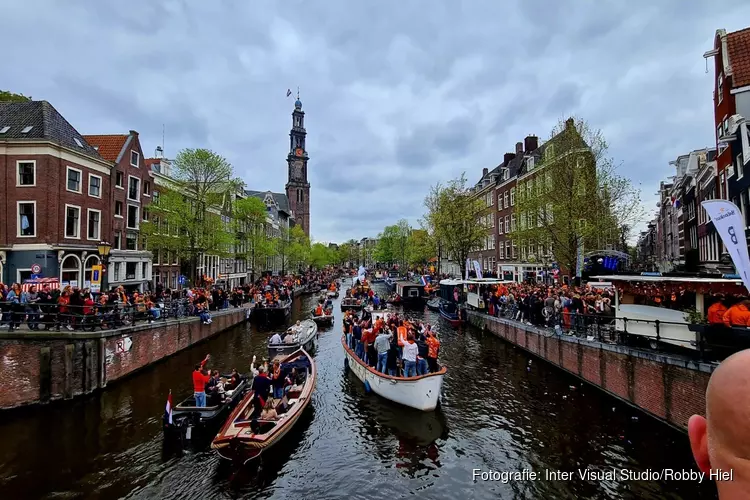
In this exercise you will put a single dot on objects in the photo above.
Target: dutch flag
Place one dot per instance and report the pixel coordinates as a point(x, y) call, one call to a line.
point(168, 410)
point(424, 281)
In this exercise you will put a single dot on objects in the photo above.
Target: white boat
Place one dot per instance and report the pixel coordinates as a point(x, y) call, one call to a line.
point(305, 337)
point(421, 392)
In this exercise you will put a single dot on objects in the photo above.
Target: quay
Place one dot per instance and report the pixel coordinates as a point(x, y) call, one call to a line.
point(39, 367)
point(666, 387)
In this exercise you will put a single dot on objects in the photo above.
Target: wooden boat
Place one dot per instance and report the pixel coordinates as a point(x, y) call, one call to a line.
point(306, 337)
point(421, 392)
point(450, 313)
point(272, 315)
point(188, 419)
point(412, 294)
point(434, 304)
point(324, 319)
point(244, 436)
point(350, 303)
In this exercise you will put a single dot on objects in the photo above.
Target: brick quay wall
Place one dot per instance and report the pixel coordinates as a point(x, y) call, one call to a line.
point(38, 367)
point(666, 387)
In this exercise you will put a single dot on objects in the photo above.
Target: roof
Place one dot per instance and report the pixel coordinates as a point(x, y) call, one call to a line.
point(738, 44)
point(45, 122)
point(151, 161)
point(280, 198)
point(109, 146)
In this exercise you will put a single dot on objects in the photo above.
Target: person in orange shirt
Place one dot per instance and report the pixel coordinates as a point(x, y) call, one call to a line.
point(716, 313)
point(738, 314)
point(319, 310)
point(433, 347)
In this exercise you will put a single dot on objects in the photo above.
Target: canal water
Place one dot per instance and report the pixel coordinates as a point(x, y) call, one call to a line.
point(499, 412)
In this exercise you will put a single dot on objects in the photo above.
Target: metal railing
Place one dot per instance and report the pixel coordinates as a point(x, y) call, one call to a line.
point(110, 316)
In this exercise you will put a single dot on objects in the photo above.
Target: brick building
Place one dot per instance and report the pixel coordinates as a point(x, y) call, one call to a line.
point(298, 186)
point(131, 190)
point(166, 264)
point(55, 205)
point(484, 190)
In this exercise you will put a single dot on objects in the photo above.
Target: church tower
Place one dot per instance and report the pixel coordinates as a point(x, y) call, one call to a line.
point(297, 187)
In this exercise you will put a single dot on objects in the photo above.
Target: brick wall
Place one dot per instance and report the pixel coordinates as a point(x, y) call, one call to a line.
point(40, 367)
point(667, 388)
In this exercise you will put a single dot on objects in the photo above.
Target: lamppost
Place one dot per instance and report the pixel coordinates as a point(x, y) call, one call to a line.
point(104, 247)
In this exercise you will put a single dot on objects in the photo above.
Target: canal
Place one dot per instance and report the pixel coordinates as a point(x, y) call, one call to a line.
point(499, 412)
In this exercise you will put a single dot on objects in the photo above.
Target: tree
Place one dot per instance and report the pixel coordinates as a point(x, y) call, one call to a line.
point(457, 218)
point(192, 205)
point(299, 248)
point(250, 217)
point(384, 249)
point(349, 253)
point(321, 256)
point(421, 247)
point(573, 199)
point(7, 96)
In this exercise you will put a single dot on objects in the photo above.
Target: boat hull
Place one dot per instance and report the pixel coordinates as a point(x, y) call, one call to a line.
point(308, 343)
point(421, 393)
point(272, 315)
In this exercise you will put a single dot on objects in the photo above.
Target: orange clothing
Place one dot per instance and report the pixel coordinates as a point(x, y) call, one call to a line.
point(318, 311)
point(737, 315)
point(716, 313)
point(401, 331)
point(433, 345)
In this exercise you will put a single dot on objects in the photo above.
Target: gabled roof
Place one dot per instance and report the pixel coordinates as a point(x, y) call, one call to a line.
point(738, 44)
point(109, 146)
point(281, 200)
point(45, 122)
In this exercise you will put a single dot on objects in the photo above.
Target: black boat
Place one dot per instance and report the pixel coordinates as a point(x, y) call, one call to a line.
point(351, 303)
point(305, 337)
point(272, 315)
point(434, 304)
point(192, 422)
point(323, 319)
point(412, 294)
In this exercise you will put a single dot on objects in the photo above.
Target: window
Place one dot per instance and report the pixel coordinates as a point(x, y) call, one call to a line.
point(507, 224)
point(74, 180)
point(94, 224)
point(119, 179)
point(130, 269)
point(491, 198)
point(719, 131)
point(27, 218)
point(500, 224)
point(513, 222)
point(134, 157)
point(95, 186)
point(512, 196)
point(491, 220)
point(502, 251)
point(118, 209)
point(144, 270)
point(499, 201)
point(118, 241)
point(26, 173)
point(549, 152)
point(726, 125)
point(530, 164)
point(145, 215)
point(134, 188)
point(156, 197)
point(505, 199)
point(72, 221)
point(118, 271)
point(131, 241)
point(550, 212)
point(720, 88)
point(132, 222)
point(146, 188)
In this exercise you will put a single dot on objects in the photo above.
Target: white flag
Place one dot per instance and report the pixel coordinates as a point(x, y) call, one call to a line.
point(729, 223)
point(478, 269)
point(468, 266)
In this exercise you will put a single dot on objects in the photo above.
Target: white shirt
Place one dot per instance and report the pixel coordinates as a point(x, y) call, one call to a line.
point(410, 351)
point(276, 339)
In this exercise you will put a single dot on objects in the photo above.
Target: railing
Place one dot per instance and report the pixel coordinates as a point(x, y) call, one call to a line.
point(604, 328)
point(111, 316)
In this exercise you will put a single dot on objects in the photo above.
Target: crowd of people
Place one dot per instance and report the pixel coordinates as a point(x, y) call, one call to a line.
point(393, 345)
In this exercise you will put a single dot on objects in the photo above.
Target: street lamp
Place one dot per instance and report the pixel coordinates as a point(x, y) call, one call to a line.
point(104, 247)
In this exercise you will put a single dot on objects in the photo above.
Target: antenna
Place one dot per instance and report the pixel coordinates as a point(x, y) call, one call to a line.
point(297, 93)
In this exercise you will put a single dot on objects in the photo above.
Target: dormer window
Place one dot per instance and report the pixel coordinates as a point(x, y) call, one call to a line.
point(530, 164)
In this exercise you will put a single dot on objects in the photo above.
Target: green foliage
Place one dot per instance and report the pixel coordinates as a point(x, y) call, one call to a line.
point(393, 244)
point(421, 247)
point(574, 195)
point(349, 253)
point(321, 256)
point(191, 207)
point(250, 218)
point(7, 96)
point(457, 219)
point(299, 248)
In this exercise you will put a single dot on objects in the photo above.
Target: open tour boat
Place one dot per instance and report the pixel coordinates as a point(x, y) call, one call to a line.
point(421, 392)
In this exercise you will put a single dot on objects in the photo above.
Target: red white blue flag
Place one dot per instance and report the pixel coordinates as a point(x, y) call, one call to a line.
point(168, 409)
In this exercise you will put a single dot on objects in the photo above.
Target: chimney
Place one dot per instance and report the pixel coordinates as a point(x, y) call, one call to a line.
point(484, 172)
point(509, 156)
point(519, 148)
point(531, 143)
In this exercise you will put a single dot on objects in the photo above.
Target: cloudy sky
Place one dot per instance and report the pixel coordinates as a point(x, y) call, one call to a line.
point(397, 95)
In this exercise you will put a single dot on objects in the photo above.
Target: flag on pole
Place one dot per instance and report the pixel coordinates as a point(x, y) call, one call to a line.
point(729, 223)
point(288, 92)
point(168, 410)
point(468, 266)
point(478, 269)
